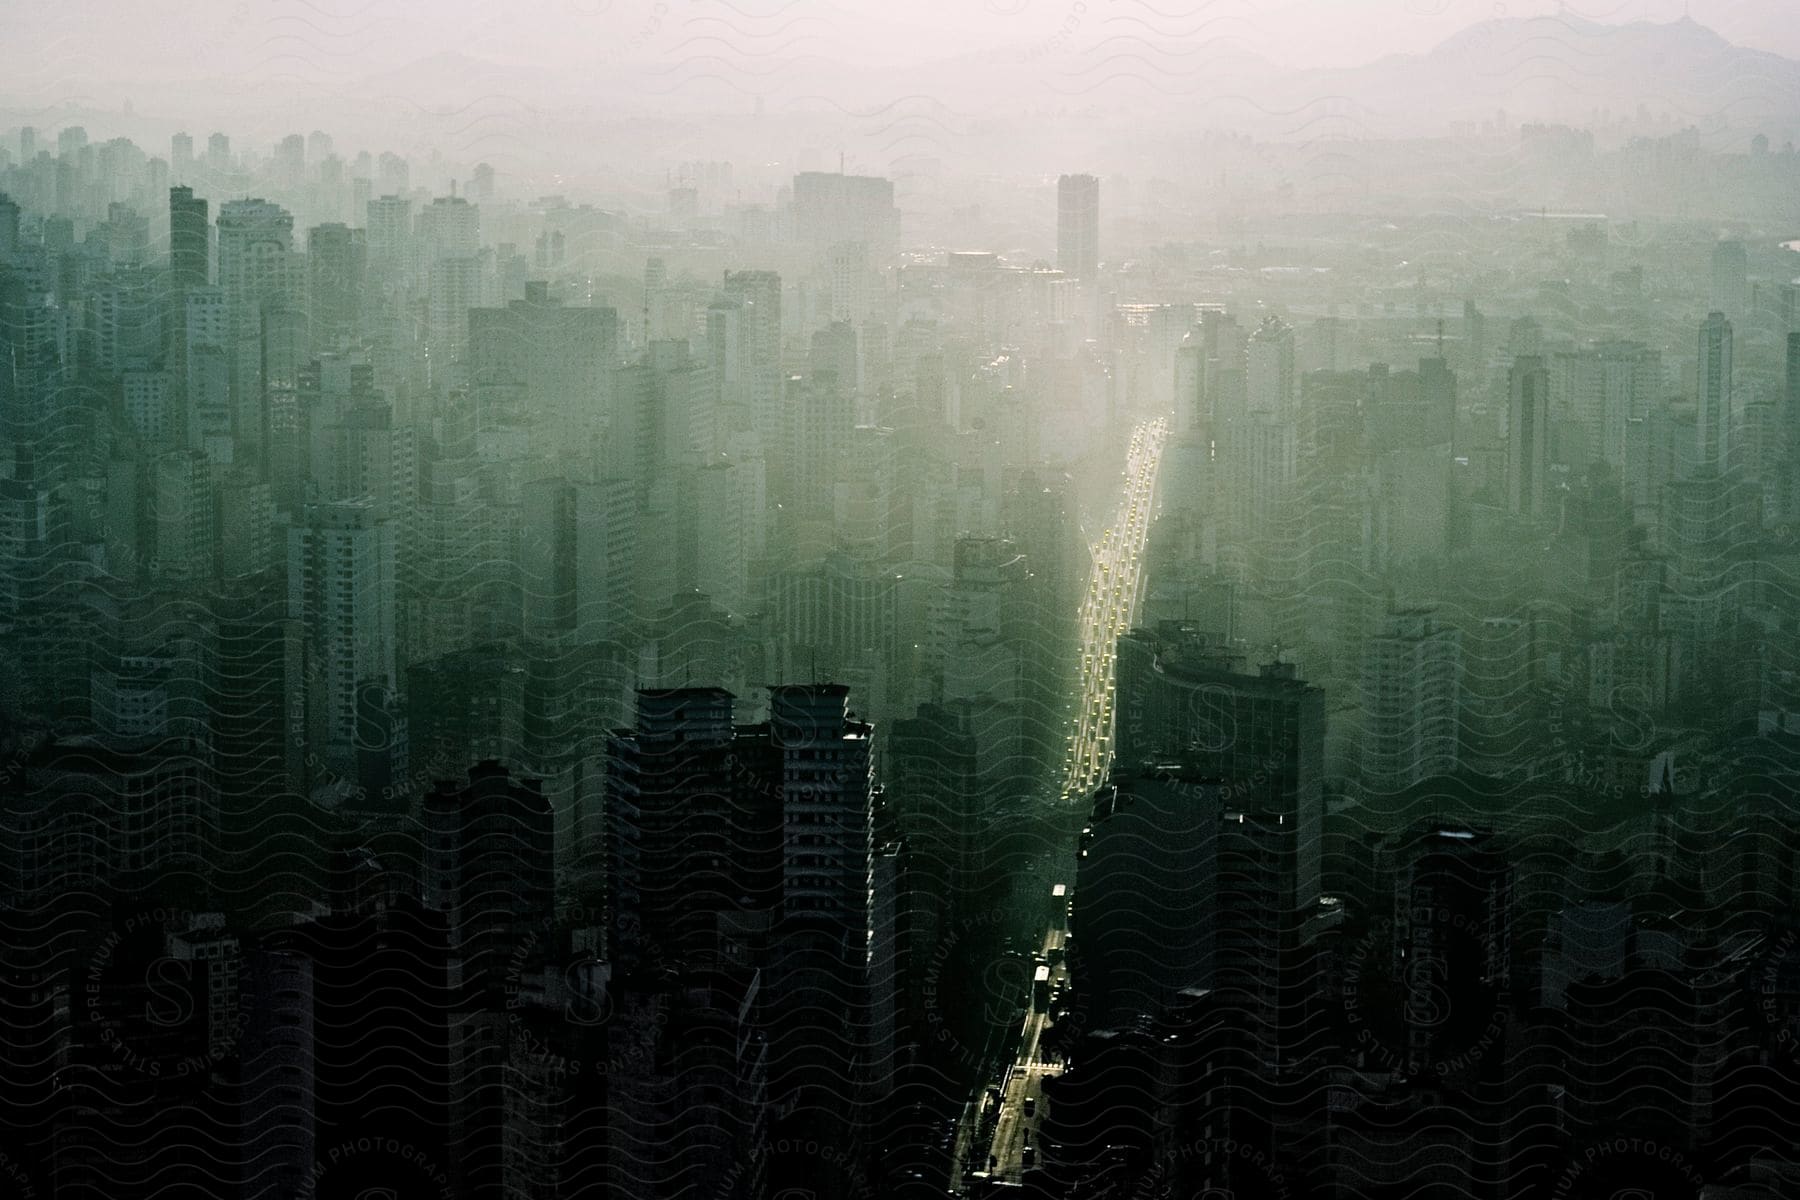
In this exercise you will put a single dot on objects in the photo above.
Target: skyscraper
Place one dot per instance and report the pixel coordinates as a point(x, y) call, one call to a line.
point(1270, 369)
point(188, 257)
point(9, 229)
point(1730, 278)
point(341, 584)
point(1185, 699)
point(181, 155)
point(183, 519)
point(258, 273)
point(448, 228)
point(488, 855)
point(1790, 427)
point(561, 356)
point(830, 208)
point(758, 294)
point(208, 368)
point(1712, 393)
point(1604, 387)
point(390, 239)
point(758, 838)
point(336, 256)
point(673, 861)
point(576, 558)
point(1078, 225)
point(1527, 436)
point(1411, 701)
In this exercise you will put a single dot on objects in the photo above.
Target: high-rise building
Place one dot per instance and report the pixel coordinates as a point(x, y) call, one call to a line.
point(1183, 698)
point(1712, 387)
point(1789, 428)
point(184, 526)
point(847, 267)
point(696, 1033)
point(341, 585)
point(759, 837)
point(124, 321)
point(208, 370)
point(1078, 225)
point(181, 156)
point(576, 554)
point(278, 1099)
point(1411, 701)
point(188, 233)
point(831, 208)
point(678, 853)
point(258, 273)
point(1604, 387)
point(9, 230)
point(448, 227)
point(1790, 397)
point(255, 705)
point(290, 160)
point(452, 289)
point(90, 805)
point(1450, 950)
point(725, 526)
point(1192, 411)
point(336, 257)
point(559, 360)
point(758, 296)
point(1730, 278)
point(488, 865)
point(1269, 368)
point(150, 404)
point(1146, 895)
point(1528, 437)
point(389, 239)
point(393, 174)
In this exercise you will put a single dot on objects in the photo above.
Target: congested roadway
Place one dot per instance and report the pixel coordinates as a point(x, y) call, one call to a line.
point(1115, 586)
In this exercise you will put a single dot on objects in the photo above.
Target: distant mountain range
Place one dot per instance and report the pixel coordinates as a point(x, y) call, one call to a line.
point(1549, 69)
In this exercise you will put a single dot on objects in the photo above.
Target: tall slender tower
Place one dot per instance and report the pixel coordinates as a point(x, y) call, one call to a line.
point(1078, 225)
point(1527, 436)
point(1712, 386)
point(188, 256)
point(341, 584)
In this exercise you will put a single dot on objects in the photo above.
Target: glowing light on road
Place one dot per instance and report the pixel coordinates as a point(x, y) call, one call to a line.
point(1109, 611)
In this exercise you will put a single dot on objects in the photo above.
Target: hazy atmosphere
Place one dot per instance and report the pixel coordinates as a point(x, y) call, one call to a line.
point(757, 600)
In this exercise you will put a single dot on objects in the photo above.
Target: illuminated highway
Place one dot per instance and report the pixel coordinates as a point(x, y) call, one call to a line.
point(1108, 609)
point(1109, 606)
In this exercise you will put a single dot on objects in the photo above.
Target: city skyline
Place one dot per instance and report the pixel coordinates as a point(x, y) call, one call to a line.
point(994, 609)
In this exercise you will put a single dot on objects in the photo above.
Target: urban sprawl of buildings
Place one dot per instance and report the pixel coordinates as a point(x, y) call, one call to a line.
point(508, 696)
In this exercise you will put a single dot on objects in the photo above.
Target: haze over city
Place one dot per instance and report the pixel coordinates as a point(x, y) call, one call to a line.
point(751, 600)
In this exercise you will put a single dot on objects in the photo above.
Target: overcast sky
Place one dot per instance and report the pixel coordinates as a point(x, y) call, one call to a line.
point(45, 41)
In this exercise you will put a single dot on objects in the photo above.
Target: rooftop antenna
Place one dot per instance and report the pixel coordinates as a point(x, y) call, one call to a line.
point(1440, 337)
point(840, 162)
point(453, 189)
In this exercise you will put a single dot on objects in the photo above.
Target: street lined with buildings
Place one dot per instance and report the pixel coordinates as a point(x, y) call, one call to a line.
point(1108, 607)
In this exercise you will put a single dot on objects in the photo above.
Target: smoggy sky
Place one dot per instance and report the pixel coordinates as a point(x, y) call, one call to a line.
point(167, 40)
